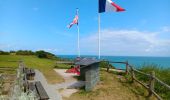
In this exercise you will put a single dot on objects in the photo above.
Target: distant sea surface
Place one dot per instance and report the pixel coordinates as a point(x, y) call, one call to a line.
point(136, 61)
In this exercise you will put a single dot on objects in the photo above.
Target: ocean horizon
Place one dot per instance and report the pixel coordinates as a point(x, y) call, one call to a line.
point(136, 61)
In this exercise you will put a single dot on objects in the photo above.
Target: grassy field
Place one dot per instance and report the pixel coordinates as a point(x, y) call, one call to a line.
point(44, 65)
point(113, 87)
point(62, 66)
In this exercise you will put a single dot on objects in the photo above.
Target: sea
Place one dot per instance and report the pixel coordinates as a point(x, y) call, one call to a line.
point(136, 61)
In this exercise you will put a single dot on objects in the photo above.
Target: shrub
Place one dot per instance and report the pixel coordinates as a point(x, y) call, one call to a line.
point(12, 51)
point(43, 54)
point(104, 64)
point(24, 52)
point(4, 53)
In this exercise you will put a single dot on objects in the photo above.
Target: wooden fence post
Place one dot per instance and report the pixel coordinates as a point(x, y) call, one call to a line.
point(127, 65)
point(151, 83)
point(108, 66)
point(133, 74)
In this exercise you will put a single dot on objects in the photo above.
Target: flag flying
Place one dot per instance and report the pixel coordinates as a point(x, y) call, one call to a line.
point(108, 5)
point(75, 21)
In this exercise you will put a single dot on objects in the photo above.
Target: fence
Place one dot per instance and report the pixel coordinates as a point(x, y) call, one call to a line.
point(152, 78)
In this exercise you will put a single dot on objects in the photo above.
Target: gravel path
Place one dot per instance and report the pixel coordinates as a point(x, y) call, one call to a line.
point(50, 89)
point(70, 81)
point(68, 87)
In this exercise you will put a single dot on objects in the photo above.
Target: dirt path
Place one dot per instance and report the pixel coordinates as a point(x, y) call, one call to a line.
point(50, 89)
point(57, 91)
point(70, 85)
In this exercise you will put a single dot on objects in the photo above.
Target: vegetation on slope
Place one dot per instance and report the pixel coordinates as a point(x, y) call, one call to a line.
point(109, 88)
point(161, 73)
point(40, 53)
point(44, 65)
point(104, 64)
point(4, 53)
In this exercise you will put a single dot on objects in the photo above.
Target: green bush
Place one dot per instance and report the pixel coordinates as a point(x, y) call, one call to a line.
point(104, 64)
point(12, 51)
point(43, 54)
point(24, 52)
point(4, 53)
point(39, 54)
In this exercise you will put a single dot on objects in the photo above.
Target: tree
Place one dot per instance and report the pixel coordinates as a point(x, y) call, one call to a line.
point(43, 54)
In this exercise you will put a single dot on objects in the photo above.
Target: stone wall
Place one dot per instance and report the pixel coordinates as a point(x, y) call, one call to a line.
point(92, 76)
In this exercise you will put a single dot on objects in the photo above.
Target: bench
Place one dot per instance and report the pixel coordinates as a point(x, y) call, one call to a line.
point(41, 91)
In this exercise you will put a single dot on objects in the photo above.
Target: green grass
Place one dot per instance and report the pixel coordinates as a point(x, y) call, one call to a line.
point(109, 88)
point(161, 73)
point(44, 65)
point(62, 66)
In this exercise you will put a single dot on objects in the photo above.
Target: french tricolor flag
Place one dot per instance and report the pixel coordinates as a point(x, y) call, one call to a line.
point(108, 6)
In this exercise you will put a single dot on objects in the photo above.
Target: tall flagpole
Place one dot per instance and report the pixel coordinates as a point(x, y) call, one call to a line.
point(78, 36)
point(99, 35)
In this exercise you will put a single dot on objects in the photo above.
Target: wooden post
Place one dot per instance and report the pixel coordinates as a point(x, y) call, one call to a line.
point(133, 74)
point(151, 83)
point(108, 66)
point(127, 67)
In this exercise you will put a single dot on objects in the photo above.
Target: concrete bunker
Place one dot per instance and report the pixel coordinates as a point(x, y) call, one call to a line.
point(89, 72)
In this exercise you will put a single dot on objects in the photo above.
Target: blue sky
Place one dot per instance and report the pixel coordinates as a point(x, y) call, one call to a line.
point(142, 30)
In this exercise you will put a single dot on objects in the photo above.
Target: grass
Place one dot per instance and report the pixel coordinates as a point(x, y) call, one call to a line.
point(62, 66)
point(161, 73)
point(112, 87)
point(44, 65)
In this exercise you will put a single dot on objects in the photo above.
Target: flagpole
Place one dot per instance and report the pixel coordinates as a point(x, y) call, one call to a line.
point(78, 42)
point(78, 37)
point(99, 35)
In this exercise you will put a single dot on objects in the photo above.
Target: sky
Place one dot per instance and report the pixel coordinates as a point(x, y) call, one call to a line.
point(142, 30)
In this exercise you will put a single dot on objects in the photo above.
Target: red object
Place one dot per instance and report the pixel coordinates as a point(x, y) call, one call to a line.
point(75, 70)
point(118, 8)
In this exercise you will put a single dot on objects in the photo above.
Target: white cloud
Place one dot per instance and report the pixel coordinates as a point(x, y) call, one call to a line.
point(127, 42)
point(166, 29)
